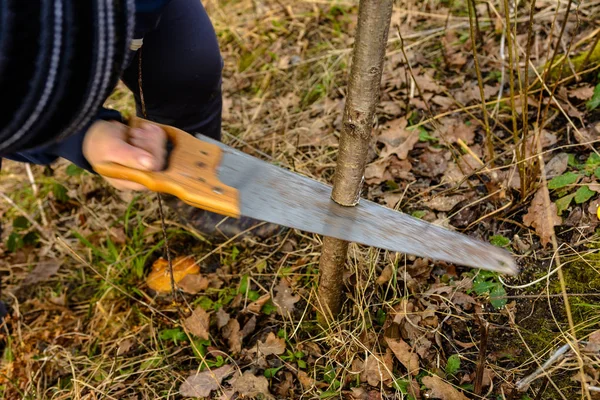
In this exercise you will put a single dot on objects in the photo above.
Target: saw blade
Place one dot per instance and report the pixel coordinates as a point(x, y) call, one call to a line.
point(273, 194)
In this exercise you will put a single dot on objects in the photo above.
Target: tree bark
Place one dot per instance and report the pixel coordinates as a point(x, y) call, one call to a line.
point(363, 95)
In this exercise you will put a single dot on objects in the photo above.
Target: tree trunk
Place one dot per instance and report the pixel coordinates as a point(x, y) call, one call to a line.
point(363, 95)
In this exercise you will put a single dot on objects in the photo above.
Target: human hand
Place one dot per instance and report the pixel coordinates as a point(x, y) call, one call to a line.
point(143, 148)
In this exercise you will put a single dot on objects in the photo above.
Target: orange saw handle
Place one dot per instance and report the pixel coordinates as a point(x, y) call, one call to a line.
point(191, 174)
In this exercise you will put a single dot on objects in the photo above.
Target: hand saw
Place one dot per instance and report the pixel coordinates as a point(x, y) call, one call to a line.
point(213, 176)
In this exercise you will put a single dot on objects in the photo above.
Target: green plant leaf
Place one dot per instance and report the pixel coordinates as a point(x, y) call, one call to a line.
point(14, 242)
point(499, 240)
point(20, 223)
point(498, 291)
point(594, 102)
point(401, 385)
point(175, 335)
point(482, 287)
point(593, 161)
point(60, 193)
point(234, 253)
point(418, 214)
point(563, 203)
point(453, 364)
point(563, 180)
point(74, 170)
point(271, 372)
point(597, 172)
point(243, 288)
point(583, 194)
point(424, 136)
point(269, 308)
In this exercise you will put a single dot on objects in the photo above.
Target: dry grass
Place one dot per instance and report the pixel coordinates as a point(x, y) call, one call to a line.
point(94, 329)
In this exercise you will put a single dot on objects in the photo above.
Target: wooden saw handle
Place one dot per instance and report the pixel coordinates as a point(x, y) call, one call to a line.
point(191, 174)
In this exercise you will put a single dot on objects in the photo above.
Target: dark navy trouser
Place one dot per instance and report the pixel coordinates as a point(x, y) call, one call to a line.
point(181, 71)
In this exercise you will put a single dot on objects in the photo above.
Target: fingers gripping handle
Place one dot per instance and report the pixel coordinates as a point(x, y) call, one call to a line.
point(191, 174)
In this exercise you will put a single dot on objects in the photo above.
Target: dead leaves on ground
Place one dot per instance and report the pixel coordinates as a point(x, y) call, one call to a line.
point(203, 383)
point(198, 323)
point(542, 215)
point(439, 389)
point(186, 276)
point(284, 298)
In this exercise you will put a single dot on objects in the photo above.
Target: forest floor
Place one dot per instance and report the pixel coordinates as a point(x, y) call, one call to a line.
point(85, 323)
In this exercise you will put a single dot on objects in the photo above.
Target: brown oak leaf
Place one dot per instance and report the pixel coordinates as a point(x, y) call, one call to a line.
point(284, 298)
point(378, 369)
point(222, 318)
point(159, 278)
point(193, 283)
point(306, 381)
point(42, 272)
point(198, 323)
point(405, 354)
point(541, 217)
point(271, 345)
point(439, 389)
point(397, 139)
point(257, 305)
point(251, 385)
point(444, 203)
point(582, 93)
point(557, 165)
point(451, 131)
point(593, 344)
point(231, 332)
point(200, 384)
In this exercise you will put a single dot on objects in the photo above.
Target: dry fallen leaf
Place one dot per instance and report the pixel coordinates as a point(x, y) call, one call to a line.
point(251, 385)
point(42, 272)
point(386, 274)
point(284, 299)
point(306, 381)
point(125, 346)
point(582, 93)
point(198, 323)
point(249, 327)
point(159, 278)
point(397, 139)
point(193, 284)
point(451, 131)
point(387, 169)
point(272, 345)
point(200, 384)
point(557, 165)
point(542, 218)
point(404, 354)
point(432, 163)
point(444, 203)
point(257, 305)
point(231, 332)
point(378, 369)
point(438, 389)
point(593, 344)
point(222, 318)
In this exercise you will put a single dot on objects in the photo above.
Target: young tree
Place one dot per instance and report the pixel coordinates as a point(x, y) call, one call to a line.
point(363, 95)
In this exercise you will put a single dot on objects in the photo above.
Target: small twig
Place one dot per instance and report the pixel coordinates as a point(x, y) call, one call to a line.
point(483, 340)
point(488, 133)
point(524, 383)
